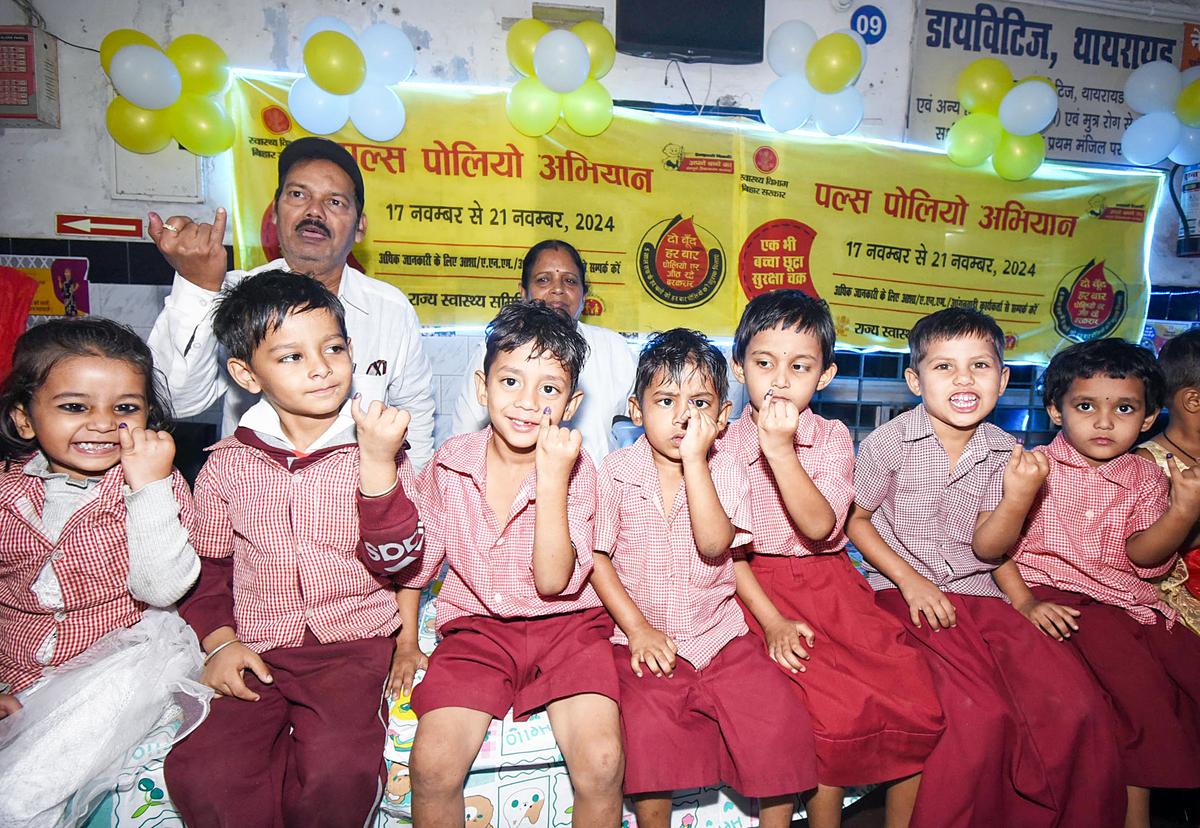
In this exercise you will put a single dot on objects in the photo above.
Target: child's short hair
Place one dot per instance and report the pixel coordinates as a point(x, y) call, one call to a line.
point(41, 348)
point(794, 310)
point(258, 305)
point(952, 323)
point(1179, 360)
point(550, 332)
point(674, 351)
point(1110, 357)
point(541, 247)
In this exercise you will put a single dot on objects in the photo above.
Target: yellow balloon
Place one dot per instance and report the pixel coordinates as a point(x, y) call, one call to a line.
point(202, 64)
point(118, 39)
point(589, 109)
point(200, 125)
point(983, 84)
point(334, 62)
point(1041, 78)
point(1018, 156)
point(1187, 105)
point(522, 38)
point(833, 63)
point(602, 49)
point(137, 129)
point(532, 108)
point(973, 139)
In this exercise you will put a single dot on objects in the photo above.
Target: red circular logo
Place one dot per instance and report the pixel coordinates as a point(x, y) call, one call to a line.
point(766, 160)
point(276, 120)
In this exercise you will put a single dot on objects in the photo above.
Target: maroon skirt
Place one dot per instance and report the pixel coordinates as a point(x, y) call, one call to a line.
point(869, 692)
point(1029, 739)
point(1151, 675)
point(736, 721)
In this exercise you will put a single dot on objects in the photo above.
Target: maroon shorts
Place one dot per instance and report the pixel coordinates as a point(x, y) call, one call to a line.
point(1152, 677)
point(1029, 740)
point(874, 711)
point(494, 664)
point(737, 720)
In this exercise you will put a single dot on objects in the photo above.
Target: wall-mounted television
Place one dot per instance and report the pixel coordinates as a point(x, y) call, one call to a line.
point(694, 31)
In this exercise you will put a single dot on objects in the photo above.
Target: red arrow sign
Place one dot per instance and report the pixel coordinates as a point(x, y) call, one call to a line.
point(72, 225)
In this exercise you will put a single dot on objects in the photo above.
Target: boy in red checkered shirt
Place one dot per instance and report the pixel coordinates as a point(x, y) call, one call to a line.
point(875, 713)
point(1028, 738)
point(300, 635)
point(701, 702)
point(1097, 532)
point(511, 508)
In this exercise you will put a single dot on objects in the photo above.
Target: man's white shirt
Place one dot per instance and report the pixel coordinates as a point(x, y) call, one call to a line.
point(606, 381)
point(385, 338)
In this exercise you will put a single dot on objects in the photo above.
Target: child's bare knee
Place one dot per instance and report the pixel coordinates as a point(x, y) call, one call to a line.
point(599, 766)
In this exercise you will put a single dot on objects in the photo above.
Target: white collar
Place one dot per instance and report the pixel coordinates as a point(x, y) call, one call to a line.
point(263, 419)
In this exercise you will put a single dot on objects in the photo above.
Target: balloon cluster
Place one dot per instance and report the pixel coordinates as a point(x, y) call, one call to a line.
point(347, 77)
point(562, 72)
point(168, 94)
point(1170, 127)
point(1005, 119)
point(816, 79)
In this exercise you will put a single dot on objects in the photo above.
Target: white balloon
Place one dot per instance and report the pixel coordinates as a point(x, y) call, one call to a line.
point(1151, 138)
point(561, 61)
point(862, 49)
point(1152, 87)
point(1028, 107)
point(145, 77)
point(316, 110)
point(788, 45)
point(1187, 151)
point(324, 24)
point(787, 104)
point(377, 112)
point(840, 112)
point(1187, 76)
point(388, 52)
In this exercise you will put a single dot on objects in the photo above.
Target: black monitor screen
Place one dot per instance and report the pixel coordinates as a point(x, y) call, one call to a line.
point(716, 31)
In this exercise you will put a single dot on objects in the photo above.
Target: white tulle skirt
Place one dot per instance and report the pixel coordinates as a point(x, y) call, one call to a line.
point(93, 716)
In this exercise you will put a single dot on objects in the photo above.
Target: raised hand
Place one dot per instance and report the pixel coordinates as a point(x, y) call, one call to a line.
point(1185, 488)
point(146, 455)
point(196, 250)
point(777, 422)
point(557, 449)
point(381, 429)
point(700, 435)
point(1025, 473)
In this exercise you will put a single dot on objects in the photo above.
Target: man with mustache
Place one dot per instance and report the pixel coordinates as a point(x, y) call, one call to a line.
point(318, 218)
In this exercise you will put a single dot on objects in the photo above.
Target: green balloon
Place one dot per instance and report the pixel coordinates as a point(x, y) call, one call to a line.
point(1018, 156)
point(532, 108)
point(973, 139)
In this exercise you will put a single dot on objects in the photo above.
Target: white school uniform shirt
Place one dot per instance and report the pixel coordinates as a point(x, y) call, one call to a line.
point(385, 337)
point(606, 381)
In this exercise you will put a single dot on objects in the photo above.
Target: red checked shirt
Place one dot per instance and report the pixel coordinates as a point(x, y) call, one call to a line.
point(923, 509)
point(1075, 534)
point(491, 562)
point(827, 454)
point(294, 538)
point(682, 593)
point(90, 561)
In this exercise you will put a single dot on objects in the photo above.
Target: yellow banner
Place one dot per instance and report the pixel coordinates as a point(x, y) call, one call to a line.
point(682, 220)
